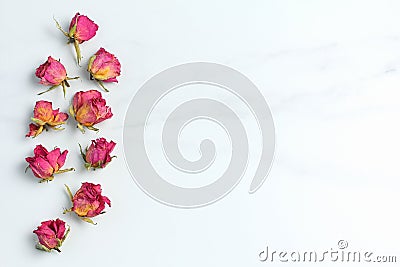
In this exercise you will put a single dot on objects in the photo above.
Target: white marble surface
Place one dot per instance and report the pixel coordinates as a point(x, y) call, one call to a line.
point(328, 69)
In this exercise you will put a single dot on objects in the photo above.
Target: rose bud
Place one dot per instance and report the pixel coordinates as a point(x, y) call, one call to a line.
point(104, 67)
point(44, 117)
point(51, 235)
point(98, 153)
point(88, 201)
point(89, 108)
point(81, 29)
point(53, 73)
point(45, 164)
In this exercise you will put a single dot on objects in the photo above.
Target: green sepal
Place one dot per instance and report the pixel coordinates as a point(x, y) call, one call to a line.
point(91, 59)
point(92, 128)
point(102, 85)
point(88, 220)
point(40, 130)
point(64, 84)
point(67, 210)
point(73, 78)
point(57, 128)
point(80, 128)
point(82, 154)
point(46, 179)
point(73, 29)
point(88, 166)
point(41, 247)
point(71, 111)
point(69, 193)
point(66, 234)
point(37, 121)
point(59, 27)
point(65, 170)
point(51, 88)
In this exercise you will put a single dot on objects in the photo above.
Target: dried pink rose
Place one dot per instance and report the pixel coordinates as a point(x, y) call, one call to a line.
point(88, 201)
point(104, 67)
point(89, 108)
point(44, 116)
point(53, 73)
point(45, 164)
point(81, 29)
point(51, 235)
point(97, 155)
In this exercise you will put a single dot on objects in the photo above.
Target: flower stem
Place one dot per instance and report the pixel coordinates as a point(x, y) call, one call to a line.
point(78, 52)
point(48, 90)
point(69, 194)
point(64, 83)
point(73, 78)
point(65, 170)
point(102, 85)
point(59, 27)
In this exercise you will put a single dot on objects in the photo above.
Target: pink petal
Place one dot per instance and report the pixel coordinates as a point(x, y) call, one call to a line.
point(85, 29)
point(105, 66)
point(52, 158)
point(97, 188)
point(86, 115)
point(100, 207)
point(111, 80)
point(60, 118)
point(60, 224)
point(81, 98)
point(41, 168)
point(103, 112)
point(61, 159)
point(52, 72)
point(33, 128)
point(43, 111)
point(40, 151)
point(101, 57)
point(40, 71)
point(110, 146)
point(107, 200)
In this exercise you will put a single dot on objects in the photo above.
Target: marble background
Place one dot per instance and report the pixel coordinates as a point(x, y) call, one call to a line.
point(329, 71)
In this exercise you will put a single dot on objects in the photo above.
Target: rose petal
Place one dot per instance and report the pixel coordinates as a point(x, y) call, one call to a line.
point(83, 97)
point(43, 111)
point(33, 128)
point(52, 158)
point(40, 151)
point(86, 29)
point(41, 168)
